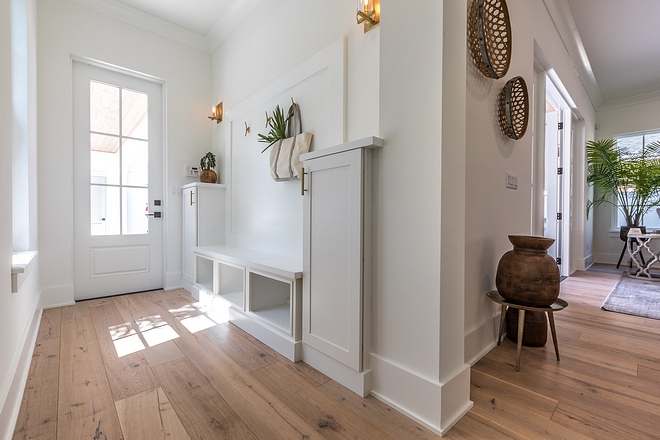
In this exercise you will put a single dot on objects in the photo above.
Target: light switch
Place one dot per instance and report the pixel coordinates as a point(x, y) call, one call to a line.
point(511, 180)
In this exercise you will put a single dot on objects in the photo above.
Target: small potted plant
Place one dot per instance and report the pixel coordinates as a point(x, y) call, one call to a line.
point(208, 163)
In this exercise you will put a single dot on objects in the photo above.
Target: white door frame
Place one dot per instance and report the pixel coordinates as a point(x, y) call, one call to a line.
point(163, 135)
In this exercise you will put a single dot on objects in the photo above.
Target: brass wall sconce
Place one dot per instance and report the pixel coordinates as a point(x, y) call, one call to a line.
point(368, 12)
point(216, 113)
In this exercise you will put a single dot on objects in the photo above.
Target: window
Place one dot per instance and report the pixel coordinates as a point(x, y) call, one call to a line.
point(119, 159)
point(635, 144)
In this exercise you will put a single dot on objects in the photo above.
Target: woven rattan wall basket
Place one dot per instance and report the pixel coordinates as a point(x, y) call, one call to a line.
point(514, 108)
point(490, 37)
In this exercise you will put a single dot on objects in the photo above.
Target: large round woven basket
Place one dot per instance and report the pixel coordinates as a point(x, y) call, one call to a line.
point(489, 30)
point(514, 108)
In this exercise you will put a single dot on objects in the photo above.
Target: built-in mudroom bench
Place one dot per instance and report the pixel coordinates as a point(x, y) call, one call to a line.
point(262, 292)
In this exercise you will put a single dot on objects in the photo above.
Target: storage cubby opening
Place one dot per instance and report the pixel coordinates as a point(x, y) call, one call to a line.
point(230, 283)
point(204, 275)
point(270, 300)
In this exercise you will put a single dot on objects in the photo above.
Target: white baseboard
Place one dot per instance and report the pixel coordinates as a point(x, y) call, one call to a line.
point(281, 343)
point(57, 296)
point(357, 381)
point(173, 280)
point(480, 340)
point(14, 395)
point(608, 258)
point(437, 406)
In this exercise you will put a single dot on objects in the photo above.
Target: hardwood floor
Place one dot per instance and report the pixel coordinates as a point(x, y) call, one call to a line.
point(606, 386)
point(154, 365)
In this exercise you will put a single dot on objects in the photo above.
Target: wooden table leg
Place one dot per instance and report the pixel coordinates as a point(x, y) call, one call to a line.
point(502, 319)
point(551, 318)
point(521, 326)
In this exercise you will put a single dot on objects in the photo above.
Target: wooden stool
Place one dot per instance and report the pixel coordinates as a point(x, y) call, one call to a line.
point(558, 305)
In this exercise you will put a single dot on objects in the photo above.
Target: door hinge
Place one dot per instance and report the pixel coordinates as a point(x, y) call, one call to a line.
point(560, 170)
point(558, 260)
point(561, 126)
point(559, 216)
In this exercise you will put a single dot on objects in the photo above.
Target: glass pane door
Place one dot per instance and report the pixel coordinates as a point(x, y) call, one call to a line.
point(119, 157)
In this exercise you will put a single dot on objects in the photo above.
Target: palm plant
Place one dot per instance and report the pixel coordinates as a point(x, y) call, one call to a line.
point(277, 125)
point(629, 181)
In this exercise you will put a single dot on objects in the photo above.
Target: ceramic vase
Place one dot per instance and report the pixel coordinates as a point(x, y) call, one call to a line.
point(527, 275)
point(208, 176)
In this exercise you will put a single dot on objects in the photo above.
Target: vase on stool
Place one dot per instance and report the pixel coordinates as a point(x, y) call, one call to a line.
point(527, 275)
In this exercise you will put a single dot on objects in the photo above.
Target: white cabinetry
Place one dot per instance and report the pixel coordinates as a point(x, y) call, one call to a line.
point(203, 221)
point(337, 260)
point(262, 292)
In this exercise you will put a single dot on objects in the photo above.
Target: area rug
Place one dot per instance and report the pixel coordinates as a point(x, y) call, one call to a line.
point(634, 296)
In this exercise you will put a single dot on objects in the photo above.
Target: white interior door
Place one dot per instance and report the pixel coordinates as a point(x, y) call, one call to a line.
point(118, 183)
point(558, 169)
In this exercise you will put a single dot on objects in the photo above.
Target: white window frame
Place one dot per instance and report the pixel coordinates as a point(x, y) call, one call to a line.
point(614, 211)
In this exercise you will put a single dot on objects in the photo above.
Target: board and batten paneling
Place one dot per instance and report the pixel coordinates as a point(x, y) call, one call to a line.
point(263, 214)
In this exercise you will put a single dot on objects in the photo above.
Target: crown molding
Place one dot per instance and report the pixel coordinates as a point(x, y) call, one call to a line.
point(145, 21)
point(562, 17)
point(628, 101)
point(236, 12)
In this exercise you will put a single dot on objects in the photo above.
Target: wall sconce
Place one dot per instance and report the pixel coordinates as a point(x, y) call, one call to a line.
point(368, 12)
point(216, 113)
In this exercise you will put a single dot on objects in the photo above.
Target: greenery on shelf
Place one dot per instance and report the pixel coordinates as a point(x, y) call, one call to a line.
point(277, 124)
point(208, 161)
point(629, 181)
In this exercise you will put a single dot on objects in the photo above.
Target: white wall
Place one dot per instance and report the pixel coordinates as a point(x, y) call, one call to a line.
point(19, 312)
point(493, 212)
point(67, 30)
point(615, 119)
point(278, 37)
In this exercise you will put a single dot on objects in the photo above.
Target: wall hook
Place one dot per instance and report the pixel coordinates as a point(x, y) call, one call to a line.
point(247, 129)
point(268, 119)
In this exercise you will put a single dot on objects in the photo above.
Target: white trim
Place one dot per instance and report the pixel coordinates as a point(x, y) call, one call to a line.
point(11, 395)
point(57, 296)
point(331, 58)
point(437, 406)
point(21, 266)
point(172, 280)
point(357, 381)
point(630, 101)
point(145, 21)
point(562, 18)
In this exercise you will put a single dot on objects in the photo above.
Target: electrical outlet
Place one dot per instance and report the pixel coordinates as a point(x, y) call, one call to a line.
point(511, 180)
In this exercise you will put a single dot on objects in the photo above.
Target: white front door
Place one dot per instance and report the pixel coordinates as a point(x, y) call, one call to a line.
point(118, 183)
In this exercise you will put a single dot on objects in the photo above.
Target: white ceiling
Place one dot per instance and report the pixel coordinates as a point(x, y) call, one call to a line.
point(198, 16)
point(621, 43)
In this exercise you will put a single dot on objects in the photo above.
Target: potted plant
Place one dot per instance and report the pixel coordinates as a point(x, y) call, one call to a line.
point(628, 180)
point(277, 124)
point(207, 163)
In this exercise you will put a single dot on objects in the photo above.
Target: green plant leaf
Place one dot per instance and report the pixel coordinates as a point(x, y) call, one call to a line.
point(629, 181)
point(277, 126)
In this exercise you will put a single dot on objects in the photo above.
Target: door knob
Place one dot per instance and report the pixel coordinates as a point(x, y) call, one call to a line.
point(154, 214)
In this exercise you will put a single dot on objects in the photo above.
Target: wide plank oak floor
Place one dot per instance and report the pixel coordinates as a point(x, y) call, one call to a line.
point(158, 365)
